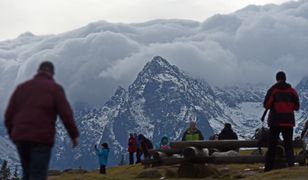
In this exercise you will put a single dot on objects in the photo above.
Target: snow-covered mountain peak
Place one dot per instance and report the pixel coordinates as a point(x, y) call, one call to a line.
point(157, 66)
point(26, 35)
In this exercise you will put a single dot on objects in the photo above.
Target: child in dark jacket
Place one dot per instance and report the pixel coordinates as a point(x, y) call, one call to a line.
point(102, 155)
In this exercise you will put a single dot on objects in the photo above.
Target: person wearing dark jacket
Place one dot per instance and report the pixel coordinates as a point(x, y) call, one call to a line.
point(30, 119)
point(282, 100)
point(138, 151)
point(145, 146)
point(227, 133)
point(132, 148)
point(192, 133)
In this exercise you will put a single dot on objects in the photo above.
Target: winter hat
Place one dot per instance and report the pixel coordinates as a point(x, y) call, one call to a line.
point(281, 76)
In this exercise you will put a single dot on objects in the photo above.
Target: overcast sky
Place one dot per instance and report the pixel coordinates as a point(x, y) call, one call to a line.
point(56, 16)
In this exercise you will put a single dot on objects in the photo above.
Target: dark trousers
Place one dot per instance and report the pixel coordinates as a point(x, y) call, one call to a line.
point(138, 156)
point(34, 159)
point(102, 169)
point(131, 158)
point(287, 134)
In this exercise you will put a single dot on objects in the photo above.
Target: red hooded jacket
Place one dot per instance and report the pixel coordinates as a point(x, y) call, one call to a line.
point(132, 146)
point(33, 109)
point(282, 100)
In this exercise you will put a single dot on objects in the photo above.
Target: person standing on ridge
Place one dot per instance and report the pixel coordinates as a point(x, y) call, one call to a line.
point(30, 119)
point(192, 133)
point(282, 100)
point(102, 155)
point(145, 146)
point(138, 149)
point(132, 148)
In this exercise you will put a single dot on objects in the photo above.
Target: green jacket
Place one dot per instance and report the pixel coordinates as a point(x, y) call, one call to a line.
point(190, 135)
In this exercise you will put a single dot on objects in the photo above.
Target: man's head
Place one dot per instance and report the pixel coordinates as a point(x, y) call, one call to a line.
point(228, 125)
point(46, 66)
point(281, 76)
point(192, 125)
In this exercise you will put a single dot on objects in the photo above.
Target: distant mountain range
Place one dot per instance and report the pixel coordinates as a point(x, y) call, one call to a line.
point(161, 101)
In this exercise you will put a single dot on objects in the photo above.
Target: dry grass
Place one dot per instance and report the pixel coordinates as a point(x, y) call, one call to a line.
point(296, 173)
point(123, 172)
point(231, 171)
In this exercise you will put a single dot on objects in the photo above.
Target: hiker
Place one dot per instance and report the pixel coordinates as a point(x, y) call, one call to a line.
point(138, 151)
point(164, 144)
point(132, 148)
point(227, 133)
point(304, 130)
point(102, 155)
point(192, 133)
point(282, 100)
point(145, 146)
point(30, 119)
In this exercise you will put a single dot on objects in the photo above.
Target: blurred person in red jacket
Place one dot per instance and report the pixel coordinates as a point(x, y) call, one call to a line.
point(132, 148)
point(30, 119)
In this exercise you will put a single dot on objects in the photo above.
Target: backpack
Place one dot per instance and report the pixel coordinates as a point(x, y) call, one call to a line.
point(261, 134)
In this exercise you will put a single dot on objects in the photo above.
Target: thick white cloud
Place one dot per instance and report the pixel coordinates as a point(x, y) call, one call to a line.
point(248, 46)
point(54, 16)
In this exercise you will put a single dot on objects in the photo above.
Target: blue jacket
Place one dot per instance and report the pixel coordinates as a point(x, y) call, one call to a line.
point(102, 156)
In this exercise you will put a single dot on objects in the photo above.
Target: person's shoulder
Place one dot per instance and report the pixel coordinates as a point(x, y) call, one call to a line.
point(292, 89)
point(57, 86)
point(26, 83)
point(274, 86)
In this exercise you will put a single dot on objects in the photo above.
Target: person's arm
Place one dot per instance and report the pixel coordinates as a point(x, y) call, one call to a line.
point(66, 115)
point(9, 113)
point(268, 100)
point(296, 100)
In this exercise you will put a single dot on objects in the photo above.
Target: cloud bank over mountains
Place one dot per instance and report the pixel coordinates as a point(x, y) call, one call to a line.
point(247, 46)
